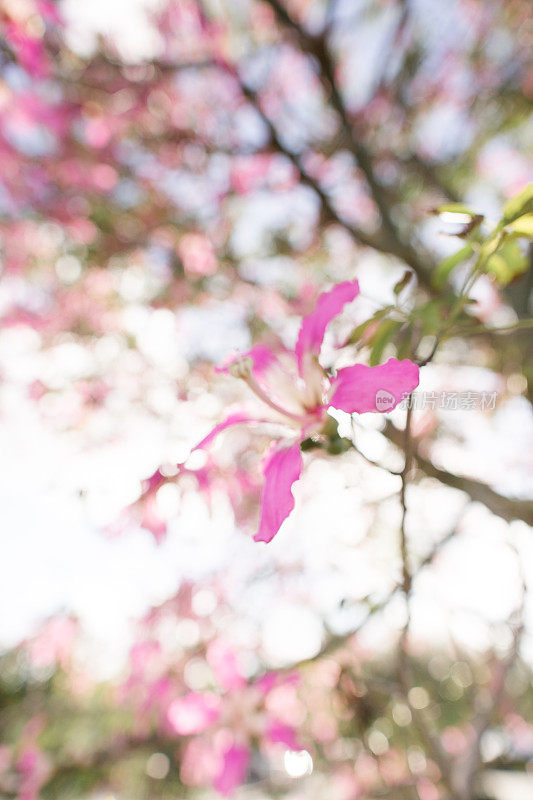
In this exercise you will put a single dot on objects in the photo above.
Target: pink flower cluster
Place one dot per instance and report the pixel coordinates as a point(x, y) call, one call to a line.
point(218, 727)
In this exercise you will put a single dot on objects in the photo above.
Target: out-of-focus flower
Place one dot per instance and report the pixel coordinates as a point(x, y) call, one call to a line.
point(193, 713)
point(223, 660)
point(279, 733)
point(54, 643)
point(197, 254)
point(235, 760)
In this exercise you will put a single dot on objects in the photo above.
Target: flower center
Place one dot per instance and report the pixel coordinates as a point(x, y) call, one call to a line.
point(243, 368)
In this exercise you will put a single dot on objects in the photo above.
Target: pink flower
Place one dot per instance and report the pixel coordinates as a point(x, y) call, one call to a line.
point(279, 733)
point(34, 768)
point(235, 760)
point(296, 387)
point(29, 50)
point(49, 12)
point(224, 662)
point(199, 763)
point(193, 713)
point(197, 254)
point(54, 643)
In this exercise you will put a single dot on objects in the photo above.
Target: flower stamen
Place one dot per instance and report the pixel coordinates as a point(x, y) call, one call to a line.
point(242, 368)
point(257, 390)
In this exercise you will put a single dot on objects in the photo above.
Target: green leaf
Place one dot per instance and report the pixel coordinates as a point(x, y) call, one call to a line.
point(519, 206)
point(381, 338)
point(490, 245)
point(404, 344)
point(431, 315)
point(456, 208)
point(358, 332)
point(403, 282)
point(523, 226)
point(445, 268)
point(507, 262)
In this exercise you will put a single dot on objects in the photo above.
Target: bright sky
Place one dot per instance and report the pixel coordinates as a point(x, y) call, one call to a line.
point(55, 558)
point(125, 21)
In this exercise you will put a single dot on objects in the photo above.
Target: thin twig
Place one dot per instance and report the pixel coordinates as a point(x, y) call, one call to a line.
point(474, 329)
point(508, 508)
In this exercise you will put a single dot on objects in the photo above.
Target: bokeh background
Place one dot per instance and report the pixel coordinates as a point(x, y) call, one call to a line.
point(179, 181)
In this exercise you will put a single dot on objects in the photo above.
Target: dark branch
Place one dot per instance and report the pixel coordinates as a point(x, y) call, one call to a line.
point(394, 243)
point(507, 508)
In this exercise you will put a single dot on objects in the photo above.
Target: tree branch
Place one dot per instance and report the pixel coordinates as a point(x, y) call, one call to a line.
point(507, 508)
point(424, 726)
point(366, 239)
point(394, 243)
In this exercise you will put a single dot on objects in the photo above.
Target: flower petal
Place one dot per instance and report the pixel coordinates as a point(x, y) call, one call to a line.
point(261, 356)
point(314, 326)
point(274, 374)
point(361, 388)
point(193, 713)
point(222, 659)
point(232, 419)
point(282, 469)
point(279, 733)
point(235, 760)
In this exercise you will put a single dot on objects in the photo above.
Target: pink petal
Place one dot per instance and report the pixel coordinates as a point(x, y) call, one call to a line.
point(361, 388)
point(233, 419)
point(276, 375)
point(266, 682)
point(279, 733)
point(234, 768)
point(152, 521)
point(270, 680)
point(154, 482)
point(197, 254)
point(199, 762)
point(261, 356)
point(266, 368)
point(223, 660)
point(193, 713)
point(281, 470)
point(49, 12)
point(314, 326)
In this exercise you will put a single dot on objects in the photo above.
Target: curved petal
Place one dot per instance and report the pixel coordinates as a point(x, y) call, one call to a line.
point(233, 419)
point(314, 326)
point(282, 469)
point(361, 388)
